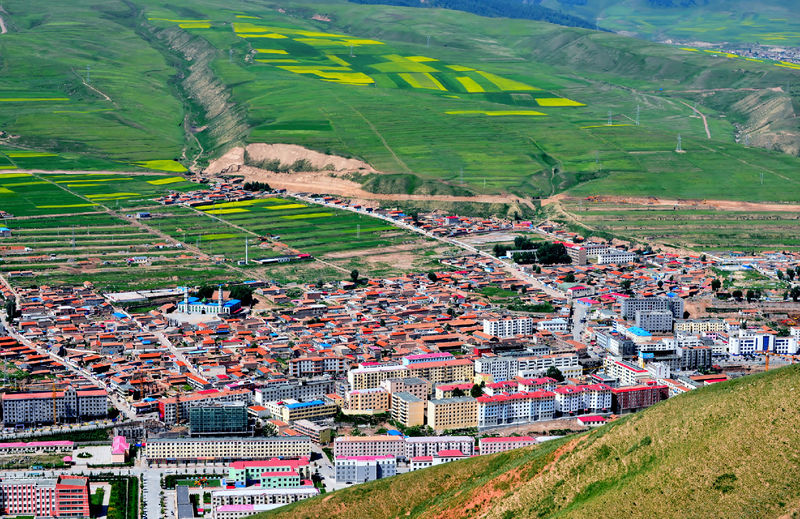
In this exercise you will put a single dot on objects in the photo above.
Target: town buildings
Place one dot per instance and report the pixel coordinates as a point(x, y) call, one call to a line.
point(61, 497)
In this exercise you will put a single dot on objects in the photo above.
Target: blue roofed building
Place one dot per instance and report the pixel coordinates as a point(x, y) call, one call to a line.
point(219, 306)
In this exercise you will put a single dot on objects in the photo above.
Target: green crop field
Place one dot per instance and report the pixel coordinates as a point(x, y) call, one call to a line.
point(510, 106)
point(699, 229)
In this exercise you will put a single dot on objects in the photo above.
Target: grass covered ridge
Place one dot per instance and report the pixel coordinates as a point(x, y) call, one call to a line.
point(727, 450)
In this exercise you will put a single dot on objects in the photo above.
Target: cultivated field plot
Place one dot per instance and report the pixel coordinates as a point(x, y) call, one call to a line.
point(26, 194)
point(698, 229)
point(98, 247)
point(67, 228)
point(277, 226)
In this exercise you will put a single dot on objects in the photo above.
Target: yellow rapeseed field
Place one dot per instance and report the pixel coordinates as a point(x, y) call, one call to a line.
point(162, 165)
point(166, 180)
point(557, 101)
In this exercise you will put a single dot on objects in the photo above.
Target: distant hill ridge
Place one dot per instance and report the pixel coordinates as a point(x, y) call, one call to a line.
point(726, 450)
point(494, 8)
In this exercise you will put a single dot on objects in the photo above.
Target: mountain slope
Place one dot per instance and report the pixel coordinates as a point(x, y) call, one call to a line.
point(768, 22)
point(727, 450)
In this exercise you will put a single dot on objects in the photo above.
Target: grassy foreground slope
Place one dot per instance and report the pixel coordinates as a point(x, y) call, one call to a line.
point(727, 450)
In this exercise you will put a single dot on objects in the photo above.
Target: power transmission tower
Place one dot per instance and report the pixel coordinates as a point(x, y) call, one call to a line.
point(679, 148)
point(358, 231)
point(351, 51)
point(428, 43)
point(747, 139)
point(762, 178)
point(638, 110)
point(610, 118)
point(88, 74)
point(246, 252)
point(230, 55)
point(462, 176)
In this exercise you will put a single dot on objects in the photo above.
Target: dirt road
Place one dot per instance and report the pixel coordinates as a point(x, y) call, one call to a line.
point(722, 205)
point(698, 112)
point(318, 182)
point(3, 29)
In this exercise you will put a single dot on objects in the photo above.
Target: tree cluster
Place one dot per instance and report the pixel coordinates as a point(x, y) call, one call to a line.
point(256, 186)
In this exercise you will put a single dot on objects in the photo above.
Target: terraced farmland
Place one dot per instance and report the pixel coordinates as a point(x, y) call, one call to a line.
point(71, 249)
point(699, 229)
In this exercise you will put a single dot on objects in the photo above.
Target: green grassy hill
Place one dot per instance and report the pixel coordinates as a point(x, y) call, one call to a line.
point(727, 450)
point(487, 106)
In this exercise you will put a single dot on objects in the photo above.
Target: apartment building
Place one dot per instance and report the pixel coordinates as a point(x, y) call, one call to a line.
point(360, 469)
point(508, 327)
point(627, 373)
point(500, 368)
point(318, 432)
point(443, 372)
point(365, 378)
point(698, 326)
point(296, 389)
point(452, 413)
point(635, 398)
point(176, 409)
point(366, 400)
point(514, 408)
point(567, 364)
point(292, 410)
point(577, 253)
point(654, 320)
point(236, 503)
point(218, 418)
point(71, 404)
point(615, 256)
point(536, 384)
point(247, 472)
point(631, 305)
point(502, 444)
point(431, 445)
point(61, 497)
point(317, 366)
point(226, 449)
point(368, 446)
point(419, 387)
point(558, 324)
point(408, 409)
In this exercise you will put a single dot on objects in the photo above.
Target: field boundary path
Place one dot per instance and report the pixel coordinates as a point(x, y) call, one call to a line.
point(702, 116)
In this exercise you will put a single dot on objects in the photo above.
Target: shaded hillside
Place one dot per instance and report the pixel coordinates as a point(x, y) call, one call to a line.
point(769, 22)
point(728, 450)
point(495, 8)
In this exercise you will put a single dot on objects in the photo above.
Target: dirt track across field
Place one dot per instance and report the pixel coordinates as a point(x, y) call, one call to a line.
point(721, 205)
